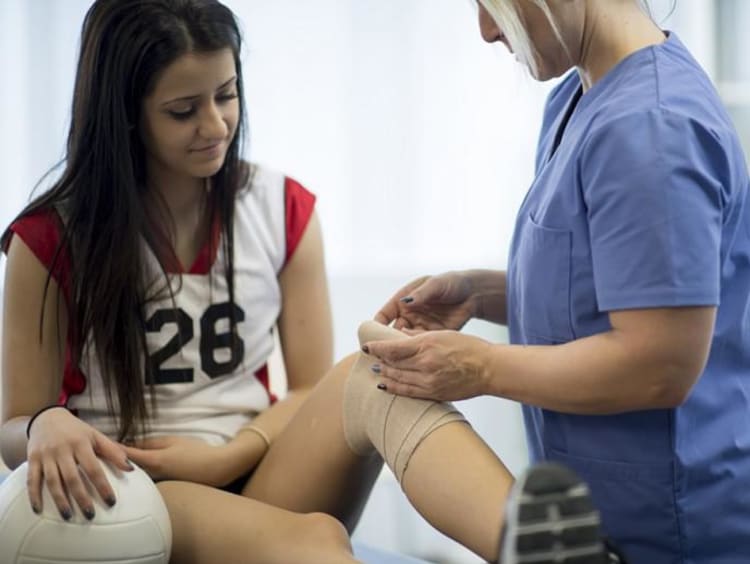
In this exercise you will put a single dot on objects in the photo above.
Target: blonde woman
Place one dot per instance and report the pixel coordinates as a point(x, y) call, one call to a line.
point(627, 288)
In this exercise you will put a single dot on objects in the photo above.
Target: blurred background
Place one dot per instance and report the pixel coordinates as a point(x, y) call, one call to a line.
point(417, 138)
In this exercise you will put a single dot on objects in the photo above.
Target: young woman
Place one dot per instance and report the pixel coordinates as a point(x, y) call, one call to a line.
point(159, 244)
point(627, 288)
point(141, 292)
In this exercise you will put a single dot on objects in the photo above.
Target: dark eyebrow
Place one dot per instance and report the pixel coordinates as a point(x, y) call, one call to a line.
point(186, 98)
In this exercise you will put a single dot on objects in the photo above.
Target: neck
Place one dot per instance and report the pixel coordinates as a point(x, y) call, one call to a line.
point(185, 222)
point(610, 34)
point(183, 196)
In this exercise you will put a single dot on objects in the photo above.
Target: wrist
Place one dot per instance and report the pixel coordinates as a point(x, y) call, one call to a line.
point(488, 294)
point(246, 449)
point(493, 370)
point(36, 415)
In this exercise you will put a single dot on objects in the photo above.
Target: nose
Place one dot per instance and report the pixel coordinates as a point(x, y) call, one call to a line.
point(488, 27)
point(213, 124)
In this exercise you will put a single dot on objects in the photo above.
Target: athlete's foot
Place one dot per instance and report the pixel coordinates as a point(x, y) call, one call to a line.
point(551, 519)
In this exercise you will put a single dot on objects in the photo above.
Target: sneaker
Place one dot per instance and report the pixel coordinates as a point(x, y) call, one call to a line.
point(551, 519)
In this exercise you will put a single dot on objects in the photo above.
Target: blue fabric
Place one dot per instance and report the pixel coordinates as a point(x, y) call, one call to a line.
point(643, 204)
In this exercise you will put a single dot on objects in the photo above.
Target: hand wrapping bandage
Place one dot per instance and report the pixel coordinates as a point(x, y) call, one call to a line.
point(376, 420)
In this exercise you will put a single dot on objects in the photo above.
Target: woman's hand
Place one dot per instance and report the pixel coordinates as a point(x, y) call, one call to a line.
point(438, 365)
point(193, 460)
point(61, 450)
point(430, 303)
point(180, 458)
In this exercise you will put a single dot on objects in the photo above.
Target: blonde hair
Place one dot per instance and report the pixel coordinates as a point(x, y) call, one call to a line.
point(507, 15)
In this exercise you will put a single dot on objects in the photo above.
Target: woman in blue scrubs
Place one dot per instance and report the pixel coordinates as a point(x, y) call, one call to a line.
point(627, 289)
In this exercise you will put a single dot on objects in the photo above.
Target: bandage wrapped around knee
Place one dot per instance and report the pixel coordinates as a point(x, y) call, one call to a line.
point(376, 420)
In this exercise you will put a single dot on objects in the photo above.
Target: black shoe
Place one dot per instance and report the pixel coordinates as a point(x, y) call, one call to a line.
point(551, 519)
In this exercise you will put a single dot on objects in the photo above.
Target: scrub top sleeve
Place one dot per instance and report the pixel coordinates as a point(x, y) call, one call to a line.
point(652, 185)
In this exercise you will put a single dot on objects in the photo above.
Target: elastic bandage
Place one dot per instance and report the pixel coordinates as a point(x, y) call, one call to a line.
point(376, 420)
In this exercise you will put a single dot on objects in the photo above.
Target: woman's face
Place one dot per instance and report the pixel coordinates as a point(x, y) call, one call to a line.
point(551, 57)
point(190, 118)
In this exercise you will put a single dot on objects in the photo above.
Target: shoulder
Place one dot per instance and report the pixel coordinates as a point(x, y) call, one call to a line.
point(41, 230)
point(271, 189)
point(275, 207)
point(662, 83)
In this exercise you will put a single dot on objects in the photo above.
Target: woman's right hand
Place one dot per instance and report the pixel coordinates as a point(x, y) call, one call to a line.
point(61, 450)
point(431, 303)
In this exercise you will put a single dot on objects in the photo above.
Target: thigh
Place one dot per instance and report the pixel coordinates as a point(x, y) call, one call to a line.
point(210, 525)
point(309, 467)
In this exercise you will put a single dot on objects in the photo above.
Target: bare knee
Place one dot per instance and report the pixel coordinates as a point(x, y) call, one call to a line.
point(325, 535)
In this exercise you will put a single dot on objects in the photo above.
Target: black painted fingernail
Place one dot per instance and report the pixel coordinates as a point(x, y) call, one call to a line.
point(89, 513)
point(110, 500)
point(407, 299)
point(381, 386)
point(35, 509)
point(365, 349)
point(376, 368)
point(66, 514)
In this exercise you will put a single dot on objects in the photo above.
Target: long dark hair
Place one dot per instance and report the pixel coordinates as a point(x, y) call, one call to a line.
point(125, 45)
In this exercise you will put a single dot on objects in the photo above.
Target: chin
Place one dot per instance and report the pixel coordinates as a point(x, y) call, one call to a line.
point(543, 74)
point(208, 169)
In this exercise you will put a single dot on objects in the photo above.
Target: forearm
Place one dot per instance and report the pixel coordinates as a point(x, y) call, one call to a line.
point(13, 441)
point(600, 374)
point(248, 447)
point(489, 293)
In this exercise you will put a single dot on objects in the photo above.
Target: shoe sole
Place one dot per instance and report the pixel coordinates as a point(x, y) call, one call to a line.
point(551, 519)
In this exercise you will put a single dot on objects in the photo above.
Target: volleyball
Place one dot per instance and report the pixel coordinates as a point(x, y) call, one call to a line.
point(135, 530)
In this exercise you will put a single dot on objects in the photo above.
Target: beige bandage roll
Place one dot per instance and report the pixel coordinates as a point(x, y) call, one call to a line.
point(376, 420)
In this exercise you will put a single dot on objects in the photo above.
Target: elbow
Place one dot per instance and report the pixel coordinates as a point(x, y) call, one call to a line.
point(672, 386)
point(670, 397)
point(13, 448)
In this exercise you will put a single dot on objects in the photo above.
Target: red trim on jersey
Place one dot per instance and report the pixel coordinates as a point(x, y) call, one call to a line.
point(262, 375)
point(42, 232)
point(299, 204)
point(207, 255)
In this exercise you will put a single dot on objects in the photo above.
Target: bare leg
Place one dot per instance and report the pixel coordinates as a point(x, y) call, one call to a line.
point(211, 526)
point(453, 478)
point(310, 467)
point(460, 486)
point(450, 476)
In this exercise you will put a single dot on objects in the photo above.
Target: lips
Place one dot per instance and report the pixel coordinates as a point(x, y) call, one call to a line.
point(208, 148)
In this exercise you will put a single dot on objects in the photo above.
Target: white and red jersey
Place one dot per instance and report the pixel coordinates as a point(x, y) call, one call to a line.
point(208, 382)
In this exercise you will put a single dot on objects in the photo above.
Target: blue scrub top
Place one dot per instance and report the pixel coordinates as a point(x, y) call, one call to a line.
point(643, 204)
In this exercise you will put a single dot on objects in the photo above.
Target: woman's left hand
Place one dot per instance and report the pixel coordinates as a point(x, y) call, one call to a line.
point(437, 365)
point(181, 458)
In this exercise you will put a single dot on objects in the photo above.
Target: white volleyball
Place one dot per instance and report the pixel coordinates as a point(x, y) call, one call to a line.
point(135, 530)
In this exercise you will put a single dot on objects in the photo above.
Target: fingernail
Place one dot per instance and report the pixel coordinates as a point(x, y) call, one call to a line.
point(89, 513)
point(407, 299)
point(35, 509)
point(375, 368)
point(365, 349)
point(110, 500)
point(66, 514)
point(381, 386)
point(129, 465)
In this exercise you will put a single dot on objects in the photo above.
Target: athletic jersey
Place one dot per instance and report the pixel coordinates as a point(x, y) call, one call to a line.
point(207, 383)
